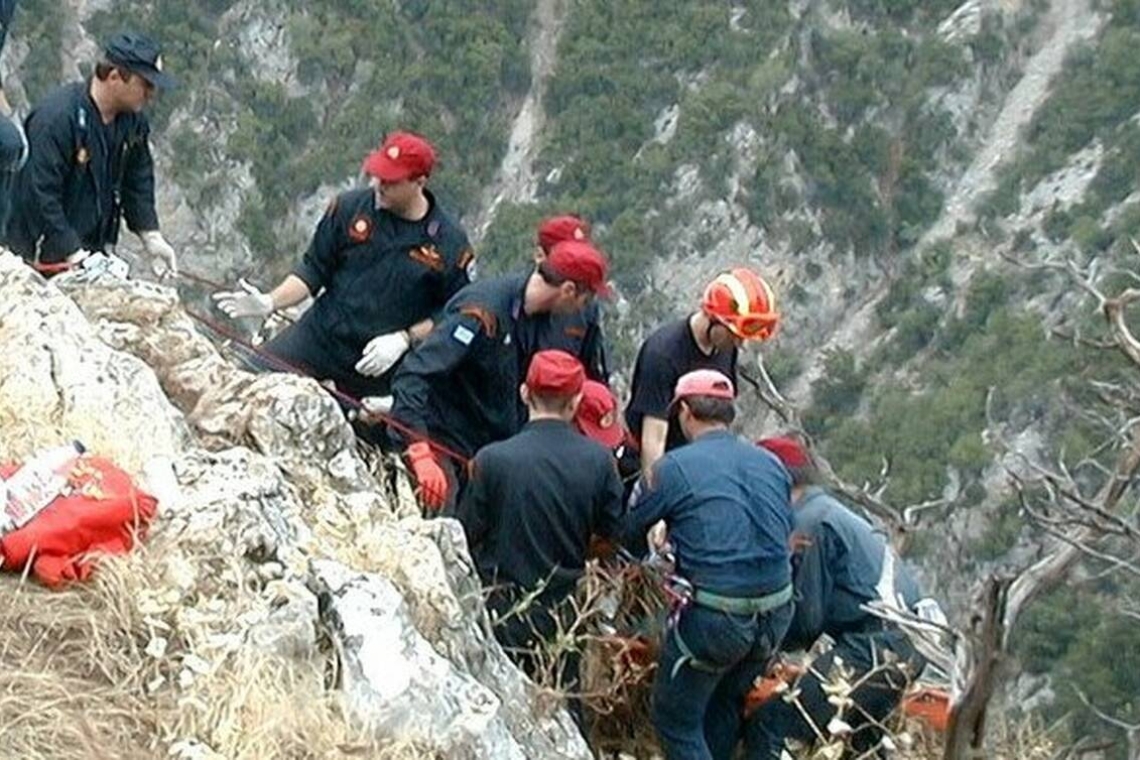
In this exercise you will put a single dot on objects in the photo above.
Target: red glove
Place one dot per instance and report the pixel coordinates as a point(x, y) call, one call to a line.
point(430, 476)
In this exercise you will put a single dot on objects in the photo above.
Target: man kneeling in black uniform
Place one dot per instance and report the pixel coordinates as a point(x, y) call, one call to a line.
point(529, 510)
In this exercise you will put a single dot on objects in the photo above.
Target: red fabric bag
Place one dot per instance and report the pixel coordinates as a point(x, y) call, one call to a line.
point(103, 513)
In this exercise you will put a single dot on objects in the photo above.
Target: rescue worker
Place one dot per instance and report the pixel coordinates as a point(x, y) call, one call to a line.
point(724, 505)
point(382, 263)
point(458, 387)
point(578, 334)
point(89, 163)
point(13, 143)
point(736, 306)
point(840, 564)
point(598, 417)
point(530, 507)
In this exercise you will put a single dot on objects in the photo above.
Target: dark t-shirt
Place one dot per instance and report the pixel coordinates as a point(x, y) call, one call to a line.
point(665, 355)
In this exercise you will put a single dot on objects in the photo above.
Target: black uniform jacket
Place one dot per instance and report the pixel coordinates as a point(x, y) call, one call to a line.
point(460, 386)
point(533, 502)
point(380, 273)
point(80, 176)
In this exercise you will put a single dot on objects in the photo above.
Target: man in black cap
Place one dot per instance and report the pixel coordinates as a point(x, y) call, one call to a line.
point(13, 145)
point(90, 164)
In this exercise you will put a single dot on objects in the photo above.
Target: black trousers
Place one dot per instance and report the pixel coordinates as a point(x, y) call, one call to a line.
point(889, 658)
point(522, 635)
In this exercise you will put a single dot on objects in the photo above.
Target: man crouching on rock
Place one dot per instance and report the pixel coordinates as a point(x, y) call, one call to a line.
point(529, 510)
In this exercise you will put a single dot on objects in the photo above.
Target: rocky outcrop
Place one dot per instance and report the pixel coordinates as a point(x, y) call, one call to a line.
point(276, 551)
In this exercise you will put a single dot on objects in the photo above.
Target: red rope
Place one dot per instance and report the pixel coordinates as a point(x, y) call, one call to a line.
point(277, 361)
point(350, 401)
point(200, 280)
point(50, 269)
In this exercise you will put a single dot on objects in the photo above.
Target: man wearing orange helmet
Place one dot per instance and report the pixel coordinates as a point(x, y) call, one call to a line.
point(738, 305)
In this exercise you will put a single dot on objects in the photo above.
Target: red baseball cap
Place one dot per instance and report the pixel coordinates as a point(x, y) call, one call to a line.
point(555, 373)
point(401, 156)
point(597, 416)
point(581, 262)
point(559, 228)
point(704, 382)
point(789, 451)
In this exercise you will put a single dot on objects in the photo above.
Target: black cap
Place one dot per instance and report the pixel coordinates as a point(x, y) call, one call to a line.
point(139, 54)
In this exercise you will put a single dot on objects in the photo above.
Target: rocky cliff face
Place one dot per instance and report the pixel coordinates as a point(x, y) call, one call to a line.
point(284, 602)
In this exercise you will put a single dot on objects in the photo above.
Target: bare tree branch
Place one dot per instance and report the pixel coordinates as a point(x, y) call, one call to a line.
point(867, 497)
point(1115, 562)
point(1131, 730)
point(1132, 612)
point(1117, 722)
point(1050, 570)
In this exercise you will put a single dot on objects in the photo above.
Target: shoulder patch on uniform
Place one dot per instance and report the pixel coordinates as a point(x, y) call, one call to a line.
point(486, 319)
point(429, 256)
point(463, 334)
point(360, 228)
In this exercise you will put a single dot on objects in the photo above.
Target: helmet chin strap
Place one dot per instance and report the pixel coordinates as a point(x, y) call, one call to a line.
point(709, 327)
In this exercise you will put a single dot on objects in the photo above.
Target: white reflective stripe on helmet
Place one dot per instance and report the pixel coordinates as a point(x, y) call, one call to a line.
point(739, 292)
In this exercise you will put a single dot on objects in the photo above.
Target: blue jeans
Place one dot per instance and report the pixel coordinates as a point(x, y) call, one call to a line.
point(875, 696)
point(698, 693)
point(11, 147)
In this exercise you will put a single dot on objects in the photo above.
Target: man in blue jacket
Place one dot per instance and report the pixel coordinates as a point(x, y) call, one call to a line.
point(89, 164)
point(841, 564)
point(725, 505)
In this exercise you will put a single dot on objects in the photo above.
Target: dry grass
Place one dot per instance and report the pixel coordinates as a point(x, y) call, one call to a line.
point(76, 682)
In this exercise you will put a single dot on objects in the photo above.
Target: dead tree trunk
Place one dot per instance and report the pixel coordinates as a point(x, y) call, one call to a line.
point(984, 649)
point(980, 656)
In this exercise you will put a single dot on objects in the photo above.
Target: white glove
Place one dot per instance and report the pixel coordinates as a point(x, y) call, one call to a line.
point(78, 256)
point(247, 302)
point(160, 251)
point(382, 352)
point(377, 404)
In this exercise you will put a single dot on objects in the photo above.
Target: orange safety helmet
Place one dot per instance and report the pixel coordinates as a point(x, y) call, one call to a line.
point(741, 301)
